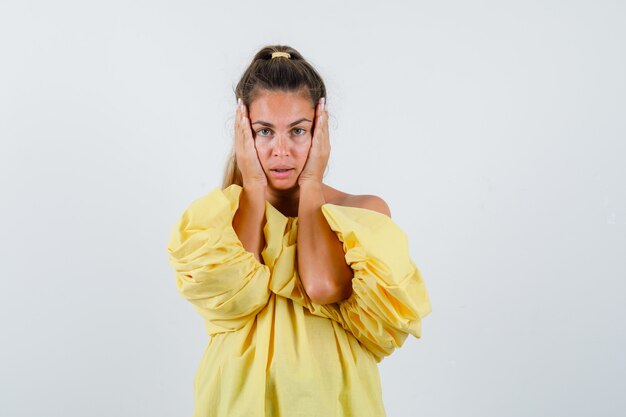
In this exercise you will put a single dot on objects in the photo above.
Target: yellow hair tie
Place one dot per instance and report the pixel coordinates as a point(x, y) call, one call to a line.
point(280, 54)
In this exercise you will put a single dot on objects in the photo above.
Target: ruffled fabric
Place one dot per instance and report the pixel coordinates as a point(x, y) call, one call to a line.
point(228, 286)
point(389, 298)
point(224, 282)
point(272, 351)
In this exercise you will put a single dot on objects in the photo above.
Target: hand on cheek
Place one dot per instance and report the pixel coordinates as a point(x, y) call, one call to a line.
point(245, 150)
point(319, 150)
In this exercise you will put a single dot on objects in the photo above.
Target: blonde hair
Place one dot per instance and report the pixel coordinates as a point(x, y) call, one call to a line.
point(232, 174)
point(264, 73)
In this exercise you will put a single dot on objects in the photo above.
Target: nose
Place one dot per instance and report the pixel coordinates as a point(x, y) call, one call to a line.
point(280, 146)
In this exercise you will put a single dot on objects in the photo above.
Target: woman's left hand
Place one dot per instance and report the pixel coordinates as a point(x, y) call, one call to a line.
point(319, 152)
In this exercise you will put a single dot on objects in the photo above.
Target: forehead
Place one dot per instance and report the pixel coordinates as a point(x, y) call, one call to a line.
point(280, 107)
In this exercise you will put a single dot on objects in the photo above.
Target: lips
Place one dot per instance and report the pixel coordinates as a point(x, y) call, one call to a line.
point(281, 172)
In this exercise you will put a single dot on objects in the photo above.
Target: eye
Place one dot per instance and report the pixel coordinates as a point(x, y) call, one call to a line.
point(264, 130)
point(299, 129)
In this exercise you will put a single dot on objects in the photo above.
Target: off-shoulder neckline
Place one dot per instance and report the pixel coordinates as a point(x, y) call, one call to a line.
point(280, 214)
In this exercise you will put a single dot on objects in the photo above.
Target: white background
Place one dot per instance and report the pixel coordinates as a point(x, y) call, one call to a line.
point(495, 130)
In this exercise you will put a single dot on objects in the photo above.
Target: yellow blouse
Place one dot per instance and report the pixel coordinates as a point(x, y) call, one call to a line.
point(272, 351)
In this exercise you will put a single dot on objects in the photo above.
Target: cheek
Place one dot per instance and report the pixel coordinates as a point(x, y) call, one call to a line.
point(263, 144)
point(303, 151)
point(303, 143)
point(263, 150)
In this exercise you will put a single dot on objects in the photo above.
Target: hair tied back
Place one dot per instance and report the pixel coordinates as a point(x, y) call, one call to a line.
point(281, 54)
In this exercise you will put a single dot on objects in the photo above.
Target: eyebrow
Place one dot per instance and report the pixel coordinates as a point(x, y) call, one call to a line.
point(271, 125)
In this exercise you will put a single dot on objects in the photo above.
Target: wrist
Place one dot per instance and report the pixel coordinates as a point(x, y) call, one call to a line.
point(254, 193)
point(311, 184)
point(311, 196)
point(254, 187)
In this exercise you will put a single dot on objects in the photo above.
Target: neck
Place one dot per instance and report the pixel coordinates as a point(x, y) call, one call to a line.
point(285, 201)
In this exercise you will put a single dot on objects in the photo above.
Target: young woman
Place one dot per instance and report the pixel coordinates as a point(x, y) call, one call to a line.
point(304, 288)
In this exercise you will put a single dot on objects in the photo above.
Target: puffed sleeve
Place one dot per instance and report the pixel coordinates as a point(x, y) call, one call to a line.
point(224, 282)
point(388, 298)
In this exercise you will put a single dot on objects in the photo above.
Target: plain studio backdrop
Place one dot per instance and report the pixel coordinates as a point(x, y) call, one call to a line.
point(494, 130)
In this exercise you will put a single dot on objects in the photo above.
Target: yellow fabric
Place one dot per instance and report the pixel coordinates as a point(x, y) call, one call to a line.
point(272, 351)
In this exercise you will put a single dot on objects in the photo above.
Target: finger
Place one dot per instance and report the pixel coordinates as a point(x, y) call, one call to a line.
point(242, 126)
point(322, 105)
point(240, 112)
point(237, 116)
point(246, 127)
point(325, 111)
point(247, 137)
point(245, 119)
point(318, 114)
point(323, 128)
point(239, 131)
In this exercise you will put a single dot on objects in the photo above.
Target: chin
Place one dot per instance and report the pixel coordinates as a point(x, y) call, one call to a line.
point(283, 185)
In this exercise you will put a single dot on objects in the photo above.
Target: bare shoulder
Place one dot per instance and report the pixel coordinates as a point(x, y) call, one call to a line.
point(365, 201)
point(370, 202)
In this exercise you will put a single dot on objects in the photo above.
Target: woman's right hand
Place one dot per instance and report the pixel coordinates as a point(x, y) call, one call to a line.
point(245, 152)
point(248, 220)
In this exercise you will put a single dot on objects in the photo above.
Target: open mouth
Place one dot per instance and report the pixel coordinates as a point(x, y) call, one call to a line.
point(281, 173)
